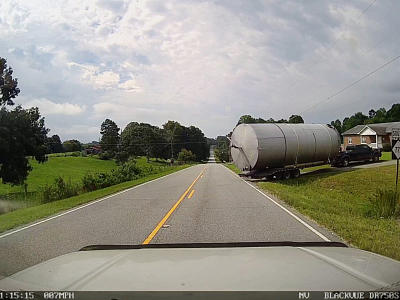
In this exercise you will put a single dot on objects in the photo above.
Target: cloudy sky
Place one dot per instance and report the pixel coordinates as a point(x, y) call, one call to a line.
point(202, 63)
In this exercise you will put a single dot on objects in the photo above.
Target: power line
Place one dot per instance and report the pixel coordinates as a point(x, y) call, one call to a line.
point(295, 82)
point(352, 84)
point(363, 12)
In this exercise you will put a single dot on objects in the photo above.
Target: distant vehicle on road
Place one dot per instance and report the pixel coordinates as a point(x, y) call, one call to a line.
point(356, 153)
point(272, 150)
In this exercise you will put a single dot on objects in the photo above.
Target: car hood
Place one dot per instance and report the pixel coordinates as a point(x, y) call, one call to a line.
point(213, 269)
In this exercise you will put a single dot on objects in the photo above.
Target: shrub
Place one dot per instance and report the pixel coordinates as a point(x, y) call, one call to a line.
point(58, 190)
point(384, 204)
point(186, 156)
point(127, 171)
point(387, 148)
point(106, 155)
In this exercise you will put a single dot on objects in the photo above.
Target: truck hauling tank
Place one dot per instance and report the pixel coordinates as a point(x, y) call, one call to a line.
point(272, 150)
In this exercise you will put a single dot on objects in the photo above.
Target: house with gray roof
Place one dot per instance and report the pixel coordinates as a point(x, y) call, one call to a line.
point(377, 135)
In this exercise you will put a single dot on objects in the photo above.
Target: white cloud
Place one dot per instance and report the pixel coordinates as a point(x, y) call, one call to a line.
point(48, 107)
point(201, 62)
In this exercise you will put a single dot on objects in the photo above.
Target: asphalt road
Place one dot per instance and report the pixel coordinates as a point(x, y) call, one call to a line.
point(204, 203)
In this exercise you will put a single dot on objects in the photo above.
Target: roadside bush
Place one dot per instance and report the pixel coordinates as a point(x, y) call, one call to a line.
point(384, 204)
point(106, 155)
point(60, 189)
point(387, 148)
point(121, 157)
point(186, 156)
point(127, 171)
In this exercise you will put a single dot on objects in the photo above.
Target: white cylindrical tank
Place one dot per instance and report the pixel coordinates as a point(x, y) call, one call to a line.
point(272, 145)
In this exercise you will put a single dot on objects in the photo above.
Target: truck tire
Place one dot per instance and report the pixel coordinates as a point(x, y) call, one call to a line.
point(375, 159)
point(278, 175)
point(296, 173)
point(345, 162)
point(286, 175)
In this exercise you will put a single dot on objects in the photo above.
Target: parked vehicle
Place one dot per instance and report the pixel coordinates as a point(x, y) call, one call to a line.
point(356, 153)
point(271, 150)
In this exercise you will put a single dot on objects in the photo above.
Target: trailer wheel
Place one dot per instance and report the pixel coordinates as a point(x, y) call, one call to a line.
point(345, 162)
point(278, 175)
point(286, 175)
point(296, 173)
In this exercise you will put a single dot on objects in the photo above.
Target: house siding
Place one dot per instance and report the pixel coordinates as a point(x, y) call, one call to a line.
point(356, 140)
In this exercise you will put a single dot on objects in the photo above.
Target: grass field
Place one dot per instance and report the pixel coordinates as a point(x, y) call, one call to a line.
point(70, 168)
point(386, 156)
point(339, 200)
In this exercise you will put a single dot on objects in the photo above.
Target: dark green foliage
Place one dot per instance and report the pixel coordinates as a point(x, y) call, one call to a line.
point(195, 142)
point(186, 156)
point(8, 84)
point(106, 155)
point(384, 204)
point(296, 119)
point(337, 125)
point(127, 171)
point(121, 157)
point(247, 119)
point(54, 145)
point(59, 190)
point(222, 150)
point(71, 146)
point(379, 116)
point(22, 134)
point(109, 138)
point(142, 139)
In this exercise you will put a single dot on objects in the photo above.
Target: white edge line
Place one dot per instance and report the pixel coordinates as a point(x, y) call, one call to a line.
point(285, 209)
point(86, 205)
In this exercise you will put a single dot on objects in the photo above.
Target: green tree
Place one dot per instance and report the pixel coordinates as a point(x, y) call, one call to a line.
point(109, 137)
point(72, 146)
point(393, 114)
point(22, 134)
point(222, 149)
point(186, 156)
point(54, 144)
point(139, 139)
point(196, 142)
point(357, 119)
point(296, 119)
point(8, 85)
point(175, 134)
point(337, 125)
point(246, 119)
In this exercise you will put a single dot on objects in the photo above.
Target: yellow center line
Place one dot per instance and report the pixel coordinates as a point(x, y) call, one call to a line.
point(191, 194)
point(169, 213)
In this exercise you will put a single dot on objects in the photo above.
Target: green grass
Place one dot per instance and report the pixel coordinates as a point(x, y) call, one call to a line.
point(340, 201)
point(386, 156)
point(30, 214)
point(70, 168)
point(232, 167)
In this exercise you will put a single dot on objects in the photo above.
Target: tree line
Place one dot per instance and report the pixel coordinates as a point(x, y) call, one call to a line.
point(374, 116)
point(172, 140)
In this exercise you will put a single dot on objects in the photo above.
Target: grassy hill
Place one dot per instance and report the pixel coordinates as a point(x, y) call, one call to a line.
point(70, 168)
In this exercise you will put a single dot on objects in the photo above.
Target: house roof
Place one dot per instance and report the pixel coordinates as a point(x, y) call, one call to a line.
point(355, 130)
point(379, 128)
